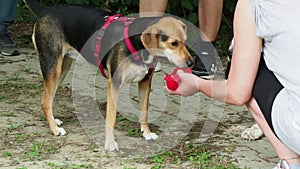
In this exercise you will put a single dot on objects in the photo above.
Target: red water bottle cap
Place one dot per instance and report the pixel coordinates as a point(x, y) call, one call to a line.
point(172, 81)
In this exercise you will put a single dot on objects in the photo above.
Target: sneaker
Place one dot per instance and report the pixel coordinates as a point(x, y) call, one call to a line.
point(7, 47)
point(282, 164)
point(229, 57)
point(205, 62)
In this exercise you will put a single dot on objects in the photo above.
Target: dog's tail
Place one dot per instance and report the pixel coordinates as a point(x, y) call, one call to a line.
point(35, 7)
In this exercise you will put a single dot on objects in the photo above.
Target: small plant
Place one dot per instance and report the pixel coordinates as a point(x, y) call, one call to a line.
point(22, 168)
point(34, 152)
point(14, 127)
point(68, 166)
point(134, 132)
point(128, 167)
point(195, 154)
point(7, 154)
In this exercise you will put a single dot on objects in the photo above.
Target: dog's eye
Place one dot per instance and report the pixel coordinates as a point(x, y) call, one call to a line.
point(175, 44)
point(164, 38)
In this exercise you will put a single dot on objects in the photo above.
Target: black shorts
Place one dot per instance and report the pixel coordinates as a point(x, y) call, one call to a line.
point(266, 87)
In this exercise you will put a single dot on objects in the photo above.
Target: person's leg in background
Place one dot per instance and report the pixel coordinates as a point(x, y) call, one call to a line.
point(150, 8)
point(209, 16)
point(7, 16)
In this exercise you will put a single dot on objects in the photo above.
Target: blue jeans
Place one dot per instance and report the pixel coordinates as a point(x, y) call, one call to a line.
point(7, 14)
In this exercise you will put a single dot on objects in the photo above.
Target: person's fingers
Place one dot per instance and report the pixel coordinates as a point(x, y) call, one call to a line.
point(180, 72)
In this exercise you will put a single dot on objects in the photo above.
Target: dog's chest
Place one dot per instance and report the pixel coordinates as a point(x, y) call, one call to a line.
point(137, 73)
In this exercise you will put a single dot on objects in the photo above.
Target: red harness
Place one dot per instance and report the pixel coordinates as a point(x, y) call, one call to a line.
point(127, 21)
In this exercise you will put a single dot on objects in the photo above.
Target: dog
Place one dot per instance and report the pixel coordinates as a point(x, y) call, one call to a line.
point(60, 32)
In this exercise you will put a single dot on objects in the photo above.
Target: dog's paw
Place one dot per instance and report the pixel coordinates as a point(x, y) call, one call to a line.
point(60, 131)
point(111, 146)
point(58, 122)
point(150, 136)
point(252, 133)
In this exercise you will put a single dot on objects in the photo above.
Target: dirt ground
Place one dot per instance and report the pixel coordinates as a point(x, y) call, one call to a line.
point(25, 138)
point(27, 143)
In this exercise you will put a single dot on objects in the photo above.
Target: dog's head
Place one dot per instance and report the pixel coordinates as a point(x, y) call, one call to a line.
point(167, 38)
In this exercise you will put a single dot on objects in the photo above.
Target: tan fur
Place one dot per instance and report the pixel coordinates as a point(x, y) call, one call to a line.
point(48, 33)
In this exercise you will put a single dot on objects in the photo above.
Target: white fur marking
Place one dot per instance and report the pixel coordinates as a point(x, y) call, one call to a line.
point(58, 122)
point(61, 131)
point(151, 136)
point(112, 146)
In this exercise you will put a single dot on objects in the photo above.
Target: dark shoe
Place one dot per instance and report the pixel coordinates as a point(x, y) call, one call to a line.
point(205, 62)
point(229, 57)
point(7, 47)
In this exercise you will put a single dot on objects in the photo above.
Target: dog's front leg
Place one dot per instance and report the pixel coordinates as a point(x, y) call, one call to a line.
point(144, 91)
point(111, 114)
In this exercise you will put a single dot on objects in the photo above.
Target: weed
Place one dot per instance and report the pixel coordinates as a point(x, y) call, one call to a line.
point(68, 166)
point(128, 167)
point(19, 138)
point(7, 154)
point(14, 127)
point(9, 114)
point(134, 132)
point(34, 152)
point(195, 154)
point(22, 168)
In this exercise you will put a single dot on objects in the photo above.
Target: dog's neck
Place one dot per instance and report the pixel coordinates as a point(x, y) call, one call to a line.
point(136, 28)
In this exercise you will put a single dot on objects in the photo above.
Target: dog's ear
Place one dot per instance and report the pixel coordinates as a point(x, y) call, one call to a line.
point(149, 39)
point(184, 27)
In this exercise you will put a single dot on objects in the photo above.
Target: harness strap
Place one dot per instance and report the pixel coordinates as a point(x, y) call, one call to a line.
point(127, 21)
point(100, 34)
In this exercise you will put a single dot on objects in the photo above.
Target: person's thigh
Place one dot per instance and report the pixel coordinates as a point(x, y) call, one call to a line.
point(266, 88)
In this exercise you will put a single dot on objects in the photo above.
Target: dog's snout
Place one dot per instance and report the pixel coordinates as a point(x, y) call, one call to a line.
point(190, 63)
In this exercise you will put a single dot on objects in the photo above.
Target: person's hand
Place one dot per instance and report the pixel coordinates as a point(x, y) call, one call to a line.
point(187, 86)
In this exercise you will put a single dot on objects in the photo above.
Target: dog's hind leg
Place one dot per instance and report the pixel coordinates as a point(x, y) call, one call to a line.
point(54, 73)
point(50, 85)
point(111, 115)
point(66, 65)
point(144, 91)
point(71, 54)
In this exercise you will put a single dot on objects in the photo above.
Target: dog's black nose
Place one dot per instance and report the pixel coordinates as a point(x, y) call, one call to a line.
point(190, 63)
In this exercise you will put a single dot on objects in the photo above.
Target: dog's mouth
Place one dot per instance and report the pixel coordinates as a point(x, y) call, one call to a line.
point(174, 59)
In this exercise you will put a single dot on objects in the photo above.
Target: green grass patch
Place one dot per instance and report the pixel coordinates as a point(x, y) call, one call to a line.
point(195, 155)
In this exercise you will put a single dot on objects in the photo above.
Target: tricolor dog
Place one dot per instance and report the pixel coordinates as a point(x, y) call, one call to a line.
point(60, 32)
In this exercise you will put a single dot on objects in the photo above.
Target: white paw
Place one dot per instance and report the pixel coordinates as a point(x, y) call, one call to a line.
point(61, 131)
point(150, 136)
point(58, 122)
point(252, 133)
point(111, 146)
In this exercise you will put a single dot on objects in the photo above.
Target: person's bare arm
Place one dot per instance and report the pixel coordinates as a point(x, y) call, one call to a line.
point(246, 56)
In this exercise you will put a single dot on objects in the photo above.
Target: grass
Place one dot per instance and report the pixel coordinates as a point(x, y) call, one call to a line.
point(7, 154)
point(34, 152)
point(68, 166)
point(195, 155)
point(14, 127)
point(13, 88)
